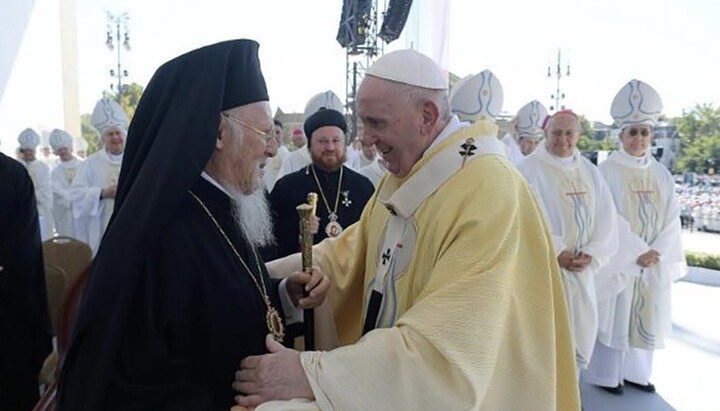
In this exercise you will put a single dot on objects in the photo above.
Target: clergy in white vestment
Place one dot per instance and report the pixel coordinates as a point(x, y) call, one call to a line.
point(95, 185)
point(28, 141)
point(635, 321)
point(45, 152)
point(61, 178)
point(80, 146)
point(528, 126)
point(446, 294)
point(273, 164)
point(363, 157)
point(374, 171)
point(298, 158)
point(582, 217)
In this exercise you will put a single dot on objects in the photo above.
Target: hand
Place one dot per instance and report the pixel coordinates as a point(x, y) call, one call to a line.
point(649, 259)
point(314, 225)
point(582, 260)
point(275, 376)
point(566, 260)
point(109, 192)
point(316, 285)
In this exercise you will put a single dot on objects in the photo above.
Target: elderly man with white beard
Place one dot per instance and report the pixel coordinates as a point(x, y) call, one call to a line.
point(177, 295)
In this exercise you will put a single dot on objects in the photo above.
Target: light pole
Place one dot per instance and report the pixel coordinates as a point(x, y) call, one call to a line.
point(120, 25)
point(558, 96)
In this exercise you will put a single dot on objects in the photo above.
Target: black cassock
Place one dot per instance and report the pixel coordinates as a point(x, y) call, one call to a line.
point(25, 330)
point(292, 190)
point(196, 314)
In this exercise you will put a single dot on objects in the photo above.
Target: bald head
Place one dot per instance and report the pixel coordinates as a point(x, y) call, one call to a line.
point(562, 132)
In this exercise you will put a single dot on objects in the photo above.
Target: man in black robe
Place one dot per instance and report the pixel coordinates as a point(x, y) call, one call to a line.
point(25, 330)
point(178, 295)
point(342, 193)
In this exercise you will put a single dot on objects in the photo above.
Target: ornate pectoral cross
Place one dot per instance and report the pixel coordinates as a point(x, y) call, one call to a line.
point(468, 149)
point(346, 201)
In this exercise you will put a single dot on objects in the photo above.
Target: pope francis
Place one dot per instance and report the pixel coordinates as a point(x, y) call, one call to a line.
point(446, 294)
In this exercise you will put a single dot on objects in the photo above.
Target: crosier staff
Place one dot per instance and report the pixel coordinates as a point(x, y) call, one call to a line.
point(307, 213)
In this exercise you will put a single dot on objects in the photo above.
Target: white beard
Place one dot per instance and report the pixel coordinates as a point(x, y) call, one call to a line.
point(252, 216)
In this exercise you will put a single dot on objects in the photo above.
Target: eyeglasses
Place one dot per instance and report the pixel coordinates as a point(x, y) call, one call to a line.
point(267, 137)
point(634, 132)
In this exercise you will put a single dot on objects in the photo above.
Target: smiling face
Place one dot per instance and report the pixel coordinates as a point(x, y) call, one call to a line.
point(114, 140)
point(240, 151)
point(636, 139)
point(327, 147)
point(562, 135)
point(399, 127)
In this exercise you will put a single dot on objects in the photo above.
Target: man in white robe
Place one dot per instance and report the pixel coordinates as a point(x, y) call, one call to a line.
point(61, 178)
point(374, 171)
point(95, 185)
point(582, 217)
point(363, 157)
point(277, 157)
point(298, 158)
point(81, 148)
point(28, 140)
point(446, 293)
point(635, 321)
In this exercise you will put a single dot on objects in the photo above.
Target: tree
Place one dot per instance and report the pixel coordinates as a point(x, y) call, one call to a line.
point(587, 142)
point(130, 98)
point(89, 133)
point(699, 139)
point(129, 101)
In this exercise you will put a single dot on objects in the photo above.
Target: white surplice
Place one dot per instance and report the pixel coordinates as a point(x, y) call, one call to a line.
point(636, 319)
point(40, 176)
point(61, 178)
point(582, 218)
point(91, 213)
point(294, 161)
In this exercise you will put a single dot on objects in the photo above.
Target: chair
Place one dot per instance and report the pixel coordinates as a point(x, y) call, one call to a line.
point(67, 321)
point(56, 284)
point(70, 255)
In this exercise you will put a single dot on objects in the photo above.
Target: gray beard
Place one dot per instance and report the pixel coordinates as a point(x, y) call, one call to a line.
point(252, 217)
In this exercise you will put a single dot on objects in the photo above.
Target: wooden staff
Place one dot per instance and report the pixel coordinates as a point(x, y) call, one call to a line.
point(306, 213)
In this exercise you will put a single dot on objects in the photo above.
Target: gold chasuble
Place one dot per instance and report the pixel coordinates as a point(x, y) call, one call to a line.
point(473, 315)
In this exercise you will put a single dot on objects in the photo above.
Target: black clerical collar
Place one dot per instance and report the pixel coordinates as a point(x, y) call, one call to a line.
point(214, 182)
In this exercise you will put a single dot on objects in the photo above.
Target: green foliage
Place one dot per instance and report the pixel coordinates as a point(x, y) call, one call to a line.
point(699, 139)
point(130, 98)
point(709, 261)
point(89, 133)
point(587, 142)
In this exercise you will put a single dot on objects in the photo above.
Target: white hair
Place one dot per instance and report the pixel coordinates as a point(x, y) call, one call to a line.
point(252, 216)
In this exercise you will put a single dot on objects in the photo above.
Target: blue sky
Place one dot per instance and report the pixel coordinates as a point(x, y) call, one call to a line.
point(671, 45)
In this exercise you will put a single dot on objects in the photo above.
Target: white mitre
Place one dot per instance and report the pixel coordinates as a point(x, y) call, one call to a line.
point(409, 67)
point(327, 100)
point(530, 120)
point(60, 139)
point(108, 114)
point(28, 139)
point(477, 97)
point(636, 103)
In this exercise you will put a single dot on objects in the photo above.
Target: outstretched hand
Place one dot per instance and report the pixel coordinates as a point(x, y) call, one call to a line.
point(275, 376)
